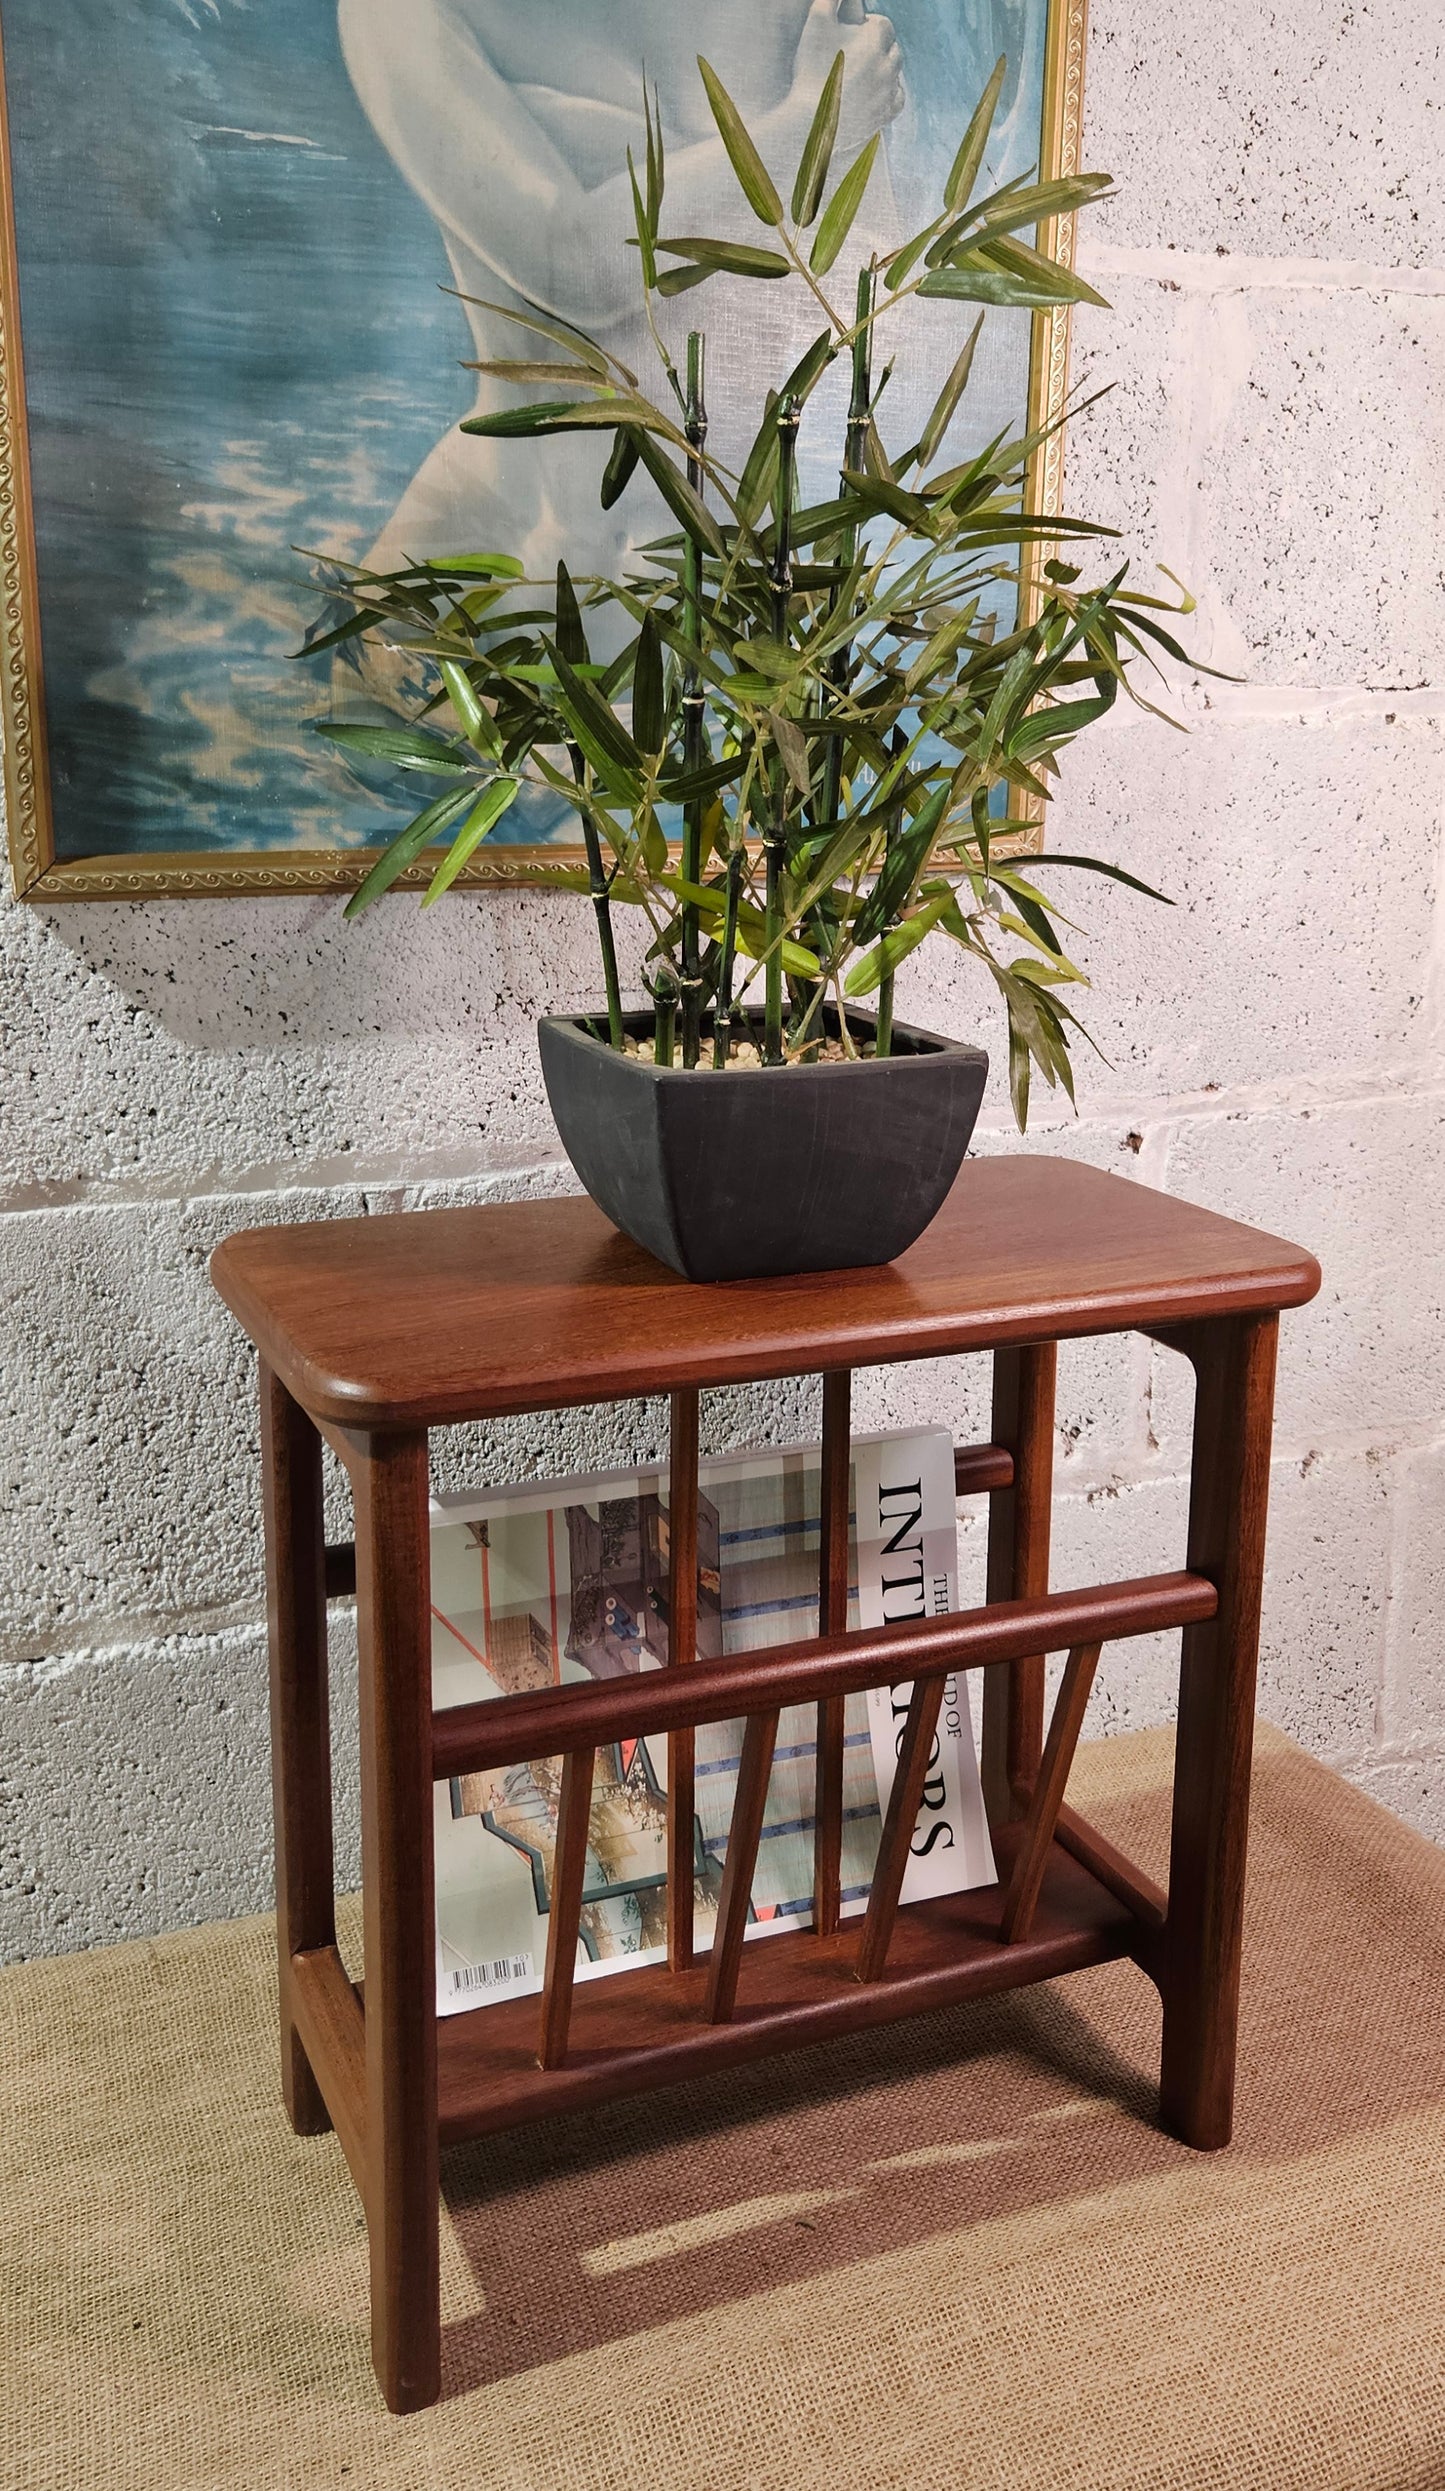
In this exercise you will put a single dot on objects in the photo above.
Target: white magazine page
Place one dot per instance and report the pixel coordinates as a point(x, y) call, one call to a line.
point(907, 1555)
point(566, 1580)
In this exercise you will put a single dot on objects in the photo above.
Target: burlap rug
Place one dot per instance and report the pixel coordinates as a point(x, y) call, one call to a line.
point(955, 2254)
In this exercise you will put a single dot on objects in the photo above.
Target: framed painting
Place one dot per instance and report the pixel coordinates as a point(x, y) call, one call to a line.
point(237, 235)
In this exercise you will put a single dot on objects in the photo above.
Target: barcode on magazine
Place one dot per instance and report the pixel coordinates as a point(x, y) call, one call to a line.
point(502, 1970)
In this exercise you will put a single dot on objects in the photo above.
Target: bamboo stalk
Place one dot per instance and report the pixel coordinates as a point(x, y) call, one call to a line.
point(601, 891)
point(695, 424)
point(664, 1018)
point(883, 1027)
point(855, 442)
point(727, 957)
point(782, 582)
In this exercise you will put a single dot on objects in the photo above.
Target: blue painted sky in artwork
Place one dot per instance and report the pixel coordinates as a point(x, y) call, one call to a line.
point(235, 343)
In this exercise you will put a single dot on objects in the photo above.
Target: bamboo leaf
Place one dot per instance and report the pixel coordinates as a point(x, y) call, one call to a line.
point(620, 469)
point(965, 168)
point(993, 285)
point(646, 235)
point(351, 629)
point(405, 849)
point(581, 347)
point(600, 734)
point(903, 262)
point(809, 369)
point(571, 630)
point(895, 947)
point(838, 216)
point(685, 505)
point(754, 179)
point(905, 861)
point(946, 403)
point(687, 784)
point(735, 259)
point(1032, 925)
point(539, 375)
point(408, 748)
point(760, 469)
point(682, 280)
point(1116, 873)
point(937, 651)
point(793, 745)
point(477, 721)
point(818, 148)
point(483, 819)
point(1035, 203)
point(649, 712)
point(910, 509)
point(485, 566)
point(1018, 1072)
point(1019, 259)
point(656, 160)
point(797, 959)
point(534, 423)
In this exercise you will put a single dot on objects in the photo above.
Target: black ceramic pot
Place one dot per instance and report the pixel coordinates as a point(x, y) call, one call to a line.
point(743, 1174)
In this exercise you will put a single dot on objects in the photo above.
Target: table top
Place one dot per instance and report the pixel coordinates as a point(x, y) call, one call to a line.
point(421, 1318)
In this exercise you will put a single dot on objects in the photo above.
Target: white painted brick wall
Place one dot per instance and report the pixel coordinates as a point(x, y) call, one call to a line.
point(1274, 1043)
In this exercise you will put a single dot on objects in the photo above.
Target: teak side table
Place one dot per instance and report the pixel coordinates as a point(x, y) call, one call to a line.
point(373, 1331)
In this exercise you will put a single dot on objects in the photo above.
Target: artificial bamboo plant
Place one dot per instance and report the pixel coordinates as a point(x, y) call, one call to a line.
point(824, 692)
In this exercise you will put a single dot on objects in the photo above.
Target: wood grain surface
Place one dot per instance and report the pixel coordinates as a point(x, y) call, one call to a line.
point(422, 1318)
point(651, 2027)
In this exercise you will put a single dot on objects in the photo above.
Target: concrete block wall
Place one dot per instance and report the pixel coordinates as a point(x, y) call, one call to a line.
point(1273, 1042)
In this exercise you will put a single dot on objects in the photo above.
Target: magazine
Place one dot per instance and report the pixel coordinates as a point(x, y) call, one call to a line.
point(540, 1585)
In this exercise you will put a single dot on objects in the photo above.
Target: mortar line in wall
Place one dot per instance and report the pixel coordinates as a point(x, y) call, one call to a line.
point(1406, 708)
point(1229, 272)
point(1303, 1094)
point(76, 1646)
point(1397, 1620)
point(1394, 1751)
point(267, 1180)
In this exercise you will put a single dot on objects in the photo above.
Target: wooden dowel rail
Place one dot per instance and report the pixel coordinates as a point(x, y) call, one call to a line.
point(744, 1835)
point(574, 1810)
point(682, 1650)
point(1022, 1892)
point(332, 2027)
point(514, 1729)
point(833, 1570)
point(915, 1752)
point(1125, 1882)
point(341, 1570)
point(981, 1469)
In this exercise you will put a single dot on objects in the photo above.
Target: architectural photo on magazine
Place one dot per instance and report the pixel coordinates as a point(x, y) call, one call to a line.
point(722, 1329)
point(542, 1587)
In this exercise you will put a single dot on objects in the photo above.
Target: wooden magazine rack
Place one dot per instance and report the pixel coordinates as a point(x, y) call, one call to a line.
point(373, 1331)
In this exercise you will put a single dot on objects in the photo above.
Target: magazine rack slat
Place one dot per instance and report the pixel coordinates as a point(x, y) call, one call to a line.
point(373, 1331)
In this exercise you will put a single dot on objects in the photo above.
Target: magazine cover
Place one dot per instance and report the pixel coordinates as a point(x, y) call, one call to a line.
point(536, 1586)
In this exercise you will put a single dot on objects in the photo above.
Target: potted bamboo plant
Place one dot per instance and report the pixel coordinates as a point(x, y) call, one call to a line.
point(822, 695)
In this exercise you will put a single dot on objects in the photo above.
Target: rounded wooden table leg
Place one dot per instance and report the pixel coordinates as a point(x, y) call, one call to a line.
point(1234, 1369)
point(389, 1478)
point(300, 1723)
point(682, 1494)
point(833, 1568)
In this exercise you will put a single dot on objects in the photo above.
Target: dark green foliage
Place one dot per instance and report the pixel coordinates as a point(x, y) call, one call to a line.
point(856, 747)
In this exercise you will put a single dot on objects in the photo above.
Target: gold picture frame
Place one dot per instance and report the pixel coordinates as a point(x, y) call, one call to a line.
point(40, 875)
